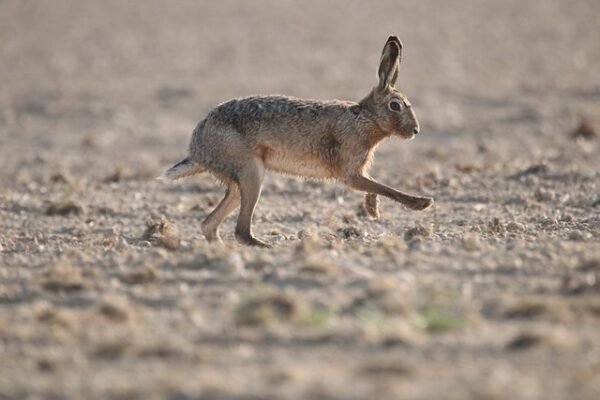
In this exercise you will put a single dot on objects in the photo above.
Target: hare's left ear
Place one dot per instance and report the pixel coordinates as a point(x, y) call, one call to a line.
point(390, 62)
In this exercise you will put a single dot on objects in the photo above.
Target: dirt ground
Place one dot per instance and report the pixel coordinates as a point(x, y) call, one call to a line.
point(109, 290)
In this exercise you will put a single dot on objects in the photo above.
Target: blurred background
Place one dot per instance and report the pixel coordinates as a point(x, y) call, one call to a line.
point(134, 77)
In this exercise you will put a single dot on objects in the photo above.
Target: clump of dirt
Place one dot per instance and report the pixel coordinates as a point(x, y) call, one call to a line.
point(526, 309)
point(64, 207)
point(163, 233)
point(61, 177)
point(64, 277)
point(471, 242)
point(578, 285)
point(386, 296)
point(46, 314)
point(45, 364)
point(111, 348)
point(586, 130)
point(139, 275)
point(589, 265)
point(495, 227)
point(391, 368)
point(218, 260)
point(266, 307)
point(392, 245)
point(544, 195)
point(515, 227)
point(120, 174)
point(525, 341)
point(349, 232)
point(531, 170)
point(115, 309)
point(418, 231)
point(318, 267)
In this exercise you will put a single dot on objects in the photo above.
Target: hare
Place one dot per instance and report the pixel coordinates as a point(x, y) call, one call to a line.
point(241, 138)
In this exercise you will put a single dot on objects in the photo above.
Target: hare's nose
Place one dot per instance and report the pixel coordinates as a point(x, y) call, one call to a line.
point(416, 130)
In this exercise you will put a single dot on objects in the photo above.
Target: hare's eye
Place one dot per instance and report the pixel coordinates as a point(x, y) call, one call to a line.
point(395, 106)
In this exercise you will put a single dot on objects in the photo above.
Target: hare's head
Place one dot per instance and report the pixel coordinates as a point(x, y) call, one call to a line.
point(390, 108)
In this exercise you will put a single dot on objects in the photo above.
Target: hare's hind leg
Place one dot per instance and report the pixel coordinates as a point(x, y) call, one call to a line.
point(210, 226)
point(250, 179)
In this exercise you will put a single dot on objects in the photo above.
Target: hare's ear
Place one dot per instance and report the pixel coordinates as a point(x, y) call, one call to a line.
point(390, 62)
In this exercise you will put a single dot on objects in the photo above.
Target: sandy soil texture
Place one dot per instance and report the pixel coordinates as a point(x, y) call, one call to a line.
point(109, 290)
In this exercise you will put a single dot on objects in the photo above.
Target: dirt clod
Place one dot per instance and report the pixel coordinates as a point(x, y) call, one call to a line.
point(64, 207)
point(586, 130)
point(525, 341)
point(64, 277)
point(418, 231)
point(115, 310)
point(120, 174)
point(162, 232)
point(531, 170)
point(139, 275)
point(61, 177)
point(495, 227)
point(350, 232)
point(264, 308)
point(471, 241)
point(526, 310)
point(515, 227)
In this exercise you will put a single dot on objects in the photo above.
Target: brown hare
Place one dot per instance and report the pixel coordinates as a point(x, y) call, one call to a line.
point(241, 138)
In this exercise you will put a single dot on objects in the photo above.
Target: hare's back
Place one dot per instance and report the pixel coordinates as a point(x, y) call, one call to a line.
point(251, 115)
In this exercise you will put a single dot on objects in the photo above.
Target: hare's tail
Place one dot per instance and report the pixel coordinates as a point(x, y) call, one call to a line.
point(183, 168)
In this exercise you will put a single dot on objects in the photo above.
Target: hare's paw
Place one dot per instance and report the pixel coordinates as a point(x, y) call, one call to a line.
point(258, 243)
point(420, 203)
point(372, 205)
point(210, 233)
point(250, 240)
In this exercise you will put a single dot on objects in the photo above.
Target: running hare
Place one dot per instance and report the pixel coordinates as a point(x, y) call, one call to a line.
point(241, 138)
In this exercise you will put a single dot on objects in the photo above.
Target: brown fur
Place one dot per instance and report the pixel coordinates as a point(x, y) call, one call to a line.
point(241, 138)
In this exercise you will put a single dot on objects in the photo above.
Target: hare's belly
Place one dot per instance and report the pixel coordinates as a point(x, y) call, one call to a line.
point(296, 164)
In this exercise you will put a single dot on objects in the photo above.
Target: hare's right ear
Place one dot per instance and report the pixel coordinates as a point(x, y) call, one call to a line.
point(390, 62)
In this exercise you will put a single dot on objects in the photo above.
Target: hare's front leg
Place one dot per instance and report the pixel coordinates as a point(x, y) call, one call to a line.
point(368, 185)
point(372, 204)
point(250, 178)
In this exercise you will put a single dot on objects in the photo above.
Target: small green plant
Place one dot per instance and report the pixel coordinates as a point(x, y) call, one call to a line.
point(316, 318)
point(369, 313)
point(436, 319)
point(439, 311)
